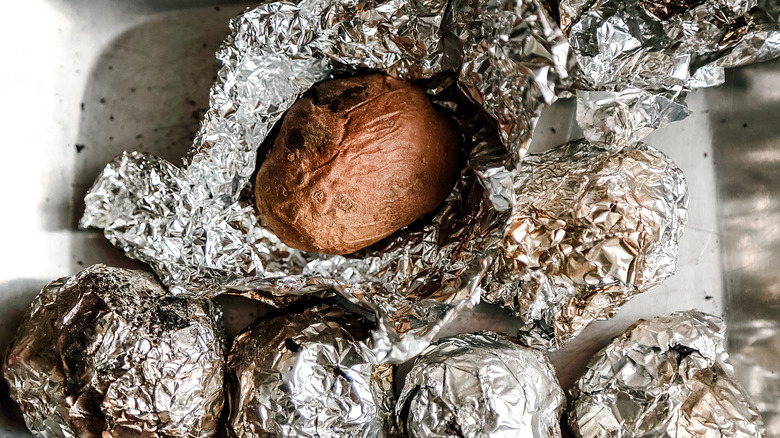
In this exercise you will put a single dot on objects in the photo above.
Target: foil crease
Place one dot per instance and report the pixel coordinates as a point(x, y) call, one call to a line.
point(309, 374)
point(590, 230)
point(108, 352)
point(481, 385)
point(666, 377)
point(196, 227)
point(662, 48)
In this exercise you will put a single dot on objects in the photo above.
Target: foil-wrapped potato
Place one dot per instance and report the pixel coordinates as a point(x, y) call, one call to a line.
point(308, 373)
point(666, 377)
point(480, 385)
point(109, 353)
point(590, 230)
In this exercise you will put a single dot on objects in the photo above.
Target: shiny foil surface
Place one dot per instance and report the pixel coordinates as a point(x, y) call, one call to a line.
point(308, 373)
point(196, 227)
point(659, 49)
point(109, 353)
point(590, 230)
point(515, 58)
point(666, 377)
point(480, 385)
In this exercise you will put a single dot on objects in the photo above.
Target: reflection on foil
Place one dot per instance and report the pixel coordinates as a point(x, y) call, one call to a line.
point(662, 48)
point(108, 352)
point(666, 377)
point(589, 231)
point(198, 231)
point(480, 385)
point(308, 374)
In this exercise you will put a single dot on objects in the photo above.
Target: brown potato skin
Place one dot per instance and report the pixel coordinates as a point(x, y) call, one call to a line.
point(355, 160)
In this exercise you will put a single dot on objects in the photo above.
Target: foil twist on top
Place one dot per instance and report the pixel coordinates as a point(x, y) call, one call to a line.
point(666, 377)
point(308, 374)
point(638, 57)
point(109, 353)
point(197, 229)
point(480, 385)
point(617, 119)
point(589, 231)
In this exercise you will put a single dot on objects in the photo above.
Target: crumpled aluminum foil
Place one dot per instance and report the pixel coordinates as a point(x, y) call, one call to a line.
point(617, 119)
point(481, 385)
point(514, 59)
point(589, 231)
point(666, 377)
point(108, 352)
point(196, 226)
point(309, 373)
point(656, 50)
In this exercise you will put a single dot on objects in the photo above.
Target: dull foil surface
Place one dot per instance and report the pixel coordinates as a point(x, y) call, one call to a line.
point(480, 385)
point(309, 373)
point(639, 57)
point(195, 226)
point(666, 377)
point(590, 230)
point(108, 352)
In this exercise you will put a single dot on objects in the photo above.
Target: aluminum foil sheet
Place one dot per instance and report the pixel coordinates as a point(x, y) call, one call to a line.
point(109, 353)
point(196, 227)
point(590, 230)
point(662, 48)
point(309, 373)
point(481, 385)
point(666, 377)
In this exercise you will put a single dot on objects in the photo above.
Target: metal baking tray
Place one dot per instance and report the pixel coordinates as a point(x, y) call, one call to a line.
point(84, 80)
